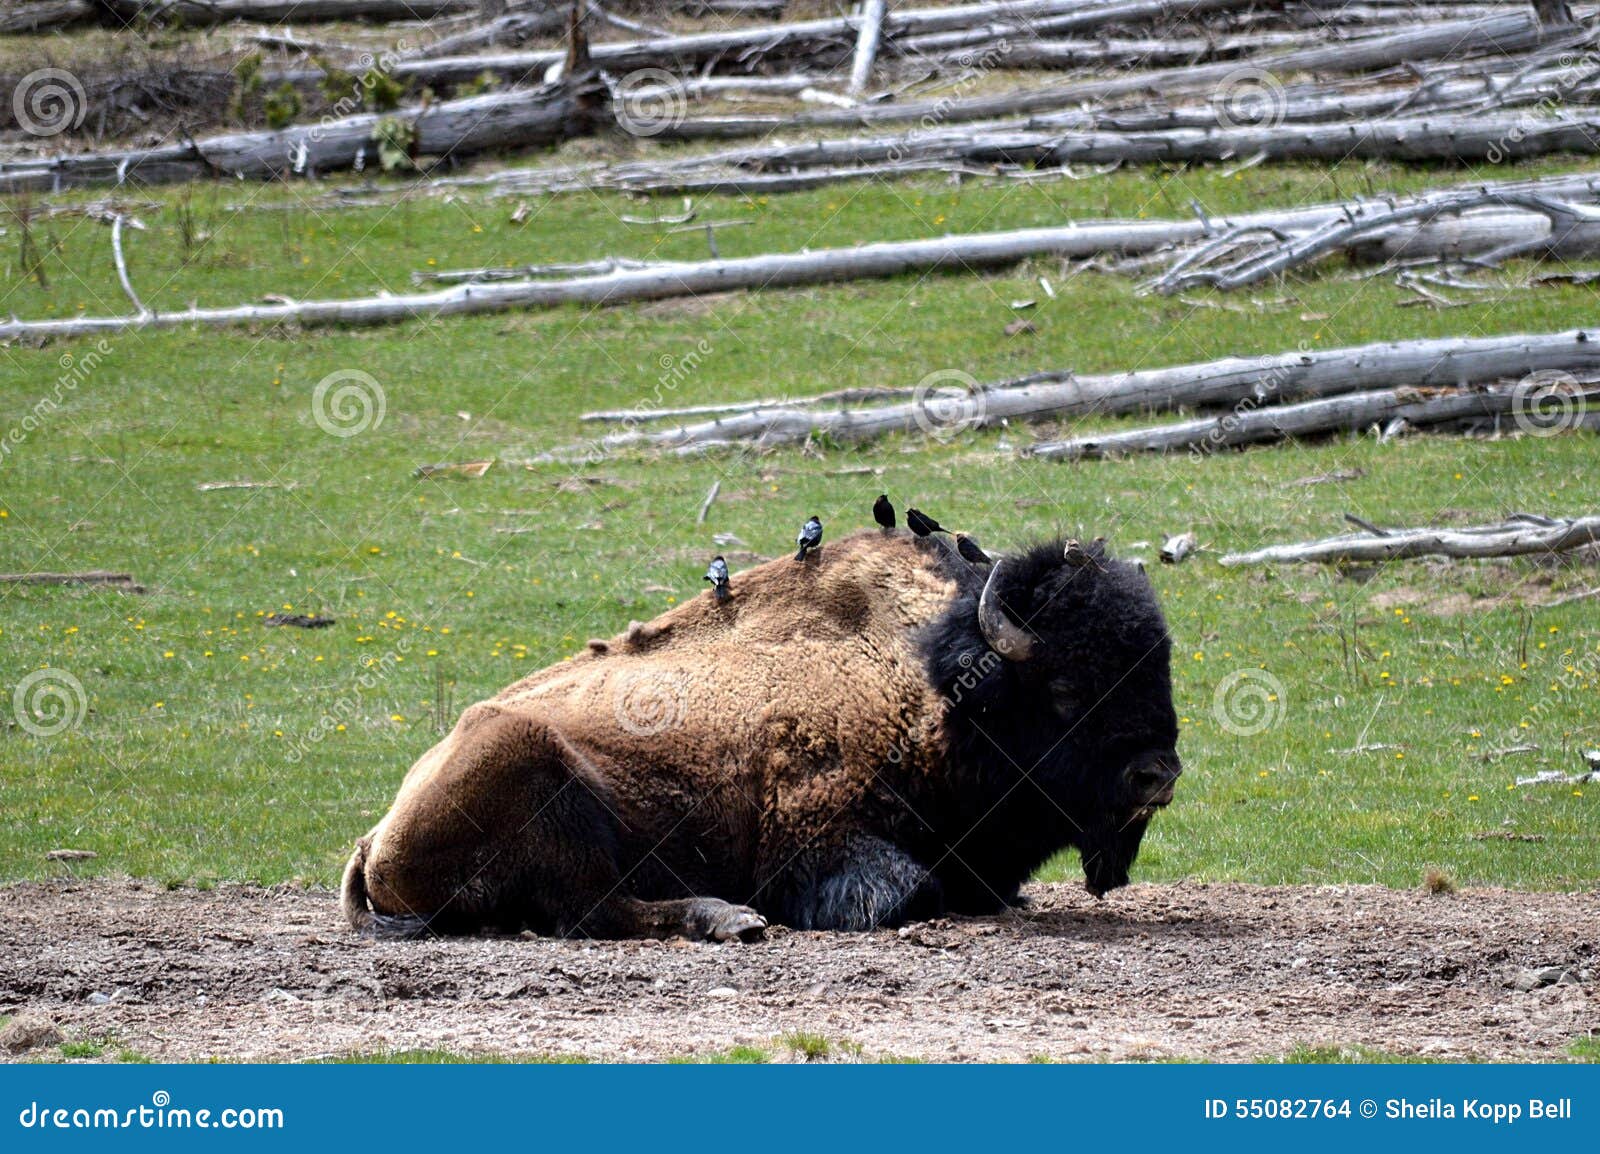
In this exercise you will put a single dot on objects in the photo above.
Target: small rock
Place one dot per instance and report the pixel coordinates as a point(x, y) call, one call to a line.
point(721, 992)
point(26, 1032)
point(1537, 977)
point(98, 999)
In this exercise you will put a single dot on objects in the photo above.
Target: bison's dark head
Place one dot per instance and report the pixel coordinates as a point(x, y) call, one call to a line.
point(1081, 709)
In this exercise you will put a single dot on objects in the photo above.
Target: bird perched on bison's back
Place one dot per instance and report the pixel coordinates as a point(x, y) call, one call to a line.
point(968, 548)
point(883, 511)
point(717, 574)
point(922, 524)
point(809, 539)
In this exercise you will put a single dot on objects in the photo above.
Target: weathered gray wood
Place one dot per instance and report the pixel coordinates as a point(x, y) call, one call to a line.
point(501, 120)
point(1229, 381)
point(44, 15)
point(1574, 230)
point(1154, 52)
point(1496, 36)
point(1177, 547)
point(977, 250)
point(511, 28)
point(870, 36)
point(833, 36)
point(195, 13)
point(1286, 422)
point(1511, 539)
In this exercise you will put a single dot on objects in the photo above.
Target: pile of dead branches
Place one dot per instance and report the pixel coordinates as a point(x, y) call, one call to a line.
point(1234, 81)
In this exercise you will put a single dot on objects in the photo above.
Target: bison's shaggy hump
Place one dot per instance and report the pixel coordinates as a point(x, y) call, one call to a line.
point(835, 745)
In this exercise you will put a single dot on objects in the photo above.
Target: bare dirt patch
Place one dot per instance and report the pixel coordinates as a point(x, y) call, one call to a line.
point(1223, 972)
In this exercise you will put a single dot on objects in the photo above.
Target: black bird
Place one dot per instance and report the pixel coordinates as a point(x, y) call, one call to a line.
point(883, 511)
point(717, 574)
point(922, 524)
point(968, 548)
point(809, 540)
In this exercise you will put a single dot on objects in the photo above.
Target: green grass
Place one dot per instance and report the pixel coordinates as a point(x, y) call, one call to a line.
point(1586, 1049)
point(81, 1049)
point(199, 756)
point(732, 1056)
point(1347, 1056)
point(811, 1047)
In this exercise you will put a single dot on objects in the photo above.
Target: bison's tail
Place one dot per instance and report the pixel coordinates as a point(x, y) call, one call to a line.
point(358, 910)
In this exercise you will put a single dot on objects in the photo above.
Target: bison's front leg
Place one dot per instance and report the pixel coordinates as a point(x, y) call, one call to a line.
point(855, 881)
point(707, 919)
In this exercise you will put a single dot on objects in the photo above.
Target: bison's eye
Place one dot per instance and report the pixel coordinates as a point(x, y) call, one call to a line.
point(1063, 696)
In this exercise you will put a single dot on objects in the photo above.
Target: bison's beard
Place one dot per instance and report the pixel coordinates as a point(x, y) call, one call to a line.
point(1108, 852)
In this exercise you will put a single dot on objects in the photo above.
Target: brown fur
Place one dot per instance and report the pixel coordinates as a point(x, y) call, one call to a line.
point(708, 737)
point(836, 745)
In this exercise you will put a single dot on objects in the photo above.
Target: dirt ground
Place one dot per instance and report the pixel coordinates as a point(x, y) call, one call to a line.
point(1222, 972)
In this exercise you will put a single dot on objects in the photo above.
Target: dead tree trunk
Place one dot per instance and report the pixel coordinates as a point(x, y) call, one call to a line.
point(498, 121)
point(1574, 230)
point(45, 15)
point(1231, 381)
point(1510, 539)
point(195, 13)
point(1285, 422)
point(872, 13)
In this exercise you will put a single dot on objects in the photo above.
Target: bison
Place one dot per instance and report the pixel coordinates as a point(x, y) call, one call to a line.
point(881, 733)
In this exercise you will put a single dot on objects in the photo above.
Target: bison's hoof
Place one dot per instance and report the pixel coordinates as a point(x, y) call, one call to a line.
point(717, 921)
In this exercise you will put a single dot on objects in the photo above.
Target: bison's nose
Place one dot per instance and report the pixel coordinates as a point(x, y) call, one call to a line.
point(1152, 777)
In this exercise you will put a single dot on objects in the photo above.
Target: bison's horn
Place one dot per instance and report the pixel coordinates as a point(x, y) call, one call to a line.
point(1009, 640)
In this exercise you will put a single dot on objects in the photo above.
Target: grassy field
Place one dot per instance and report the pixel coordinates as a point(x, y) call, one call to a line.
point(199, 753)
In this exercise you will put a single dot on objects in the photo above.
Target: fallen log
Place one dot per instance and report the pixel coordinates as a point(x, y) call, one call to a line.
point(777, 270)
point(1574, 230)
point(511, 28)
point(202, 13)
point(1496, 36)
point(1443, 138)
point(1417, 407)
point(46, 15)
point(1162, 52)
point(497, 121)
point(1508, 539)
point(99, 577)
point(1229, 381)
point(833, 37)
point(1455, 139)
